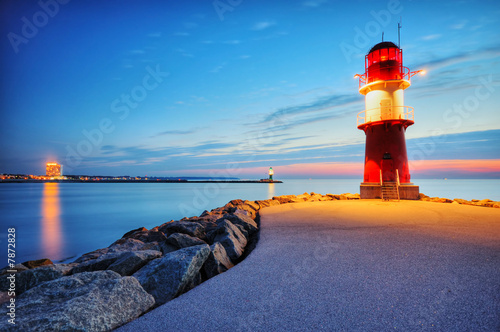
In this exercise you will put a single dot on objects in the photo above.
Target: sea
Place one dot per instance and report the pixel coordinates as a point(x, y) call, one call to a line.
point(62, 221)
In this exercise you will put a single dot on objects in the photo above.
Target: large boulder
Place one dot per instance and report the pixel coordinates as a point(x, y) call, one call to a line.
point(167, 277)
point(30, 278)
point(179, 240)
point(148, 236)
point(100, 263)
point(119, 246)
point(131, 261)
point(190, 228)
point(231, 238)
point(241, 219)
point(38, 263)
point(217, 261)
point(96, 301)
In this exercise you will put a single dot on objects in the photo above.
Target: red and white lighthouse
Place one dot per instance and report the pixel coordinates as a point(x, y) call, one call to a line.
point(384, 121)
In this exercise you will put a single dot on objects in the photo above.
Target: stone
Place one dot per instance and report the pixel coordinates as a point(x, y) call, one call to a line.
point(179, 240)
point(100, 263)
point(242, 219)
point(37, 263)
point(30, 278)
point(193, 229)
point(167, 277)
point(132, 261)
point(217, 261)
point(284, 198)
point(129, 233)
point(18, 267)
point(132, 245)
point(148, 236)
point(89, 301)
point(231, 239)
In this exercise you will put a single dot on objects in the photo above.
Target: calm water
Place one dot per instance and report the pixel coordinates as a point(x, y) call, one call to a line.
point(60, 221)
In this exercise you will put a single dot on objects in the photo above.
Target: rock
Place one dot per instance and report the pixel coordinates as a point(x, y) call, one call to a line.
point(440, 200)
point(166, 248)
point(129, 233)
point(231, 239)
point(217, 261)
point(251, 207)
point(179, 240)
point(37, 263)
point(461, 201)
point(422, 196)
point(96, 301)
point(121, 245)
point(193, 229)
point(148, 236)
point(100, 263)
point(130, 262)
point(263, 204)
point(4, 297)
point(167, 277)
point(348, 196)
point(242, 219)
point(132, 245)
point(30, 278)
point(284, 199)
point(18, 267)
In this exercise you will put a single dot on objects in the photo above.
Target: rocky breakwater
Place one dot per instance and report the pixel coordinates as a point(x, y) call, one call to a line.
point(474, 202)
point(109, 287)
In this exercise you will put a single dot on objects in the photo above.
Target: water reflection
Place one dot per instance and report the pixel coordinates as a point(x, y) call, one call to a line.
point(51, 221)
point(270, 191)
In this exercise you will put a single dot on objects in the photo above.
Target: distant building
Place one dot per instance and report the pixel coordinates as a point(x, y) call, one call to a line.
point(54, 169)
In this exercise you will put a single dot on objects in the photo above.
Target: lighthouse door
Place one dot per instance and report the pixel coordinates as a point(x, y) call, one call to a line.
point(387, 166)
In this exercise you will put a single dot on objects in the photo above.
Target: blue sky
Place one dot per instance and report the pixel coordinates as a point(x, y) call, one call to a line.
point(176, 88)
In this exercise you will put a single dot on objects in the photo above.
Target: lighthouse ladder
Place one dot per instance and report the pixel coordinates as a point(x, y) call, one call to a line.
point(389, 190)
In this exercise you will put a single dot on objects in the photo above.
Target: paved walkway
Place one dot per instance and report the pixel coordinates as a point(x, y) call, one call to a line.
point(353, 266)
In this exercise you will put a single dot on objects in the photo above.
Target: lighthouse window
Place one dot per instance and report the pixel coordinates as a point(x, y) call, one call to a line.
point(387, 156)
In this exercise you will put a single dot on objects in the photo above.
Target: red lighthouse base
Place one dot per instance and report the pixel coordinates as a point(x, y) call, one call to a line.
point(374, 191)
point(386, 160)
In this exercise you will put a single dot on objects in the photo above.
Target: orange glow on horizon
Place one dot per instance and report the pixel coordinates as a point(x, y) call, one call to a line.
point(51, 221)
point(355, 169)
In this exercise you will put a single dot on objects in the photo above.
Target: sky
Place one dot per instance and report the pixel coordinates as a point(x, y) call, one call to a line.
point(231, 87)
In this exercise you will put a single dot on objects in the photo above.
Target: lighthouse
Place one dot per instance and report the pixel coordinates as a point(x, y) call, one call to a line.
point(271, 173)
point(384, 122)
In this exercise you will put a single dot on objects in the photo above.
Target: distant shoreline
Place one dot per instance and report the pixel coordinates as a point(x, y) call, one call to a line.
point(138, 181)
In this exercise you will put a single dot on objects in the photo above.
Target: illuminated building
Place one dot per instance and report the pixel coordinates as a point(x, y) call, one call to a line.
point(271, 173)
point(384, 121)
point(53, 169)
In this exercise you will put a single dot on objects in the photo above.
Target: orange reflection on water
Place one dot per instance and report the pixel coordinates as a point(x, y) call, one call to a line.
point(270, 191)
point(51, 221)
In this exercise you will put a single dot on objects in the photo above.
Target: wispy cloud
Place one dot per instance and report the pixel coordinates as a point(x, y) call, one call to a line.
point(182, 34)
point(175, 132)
point(263, 25)
point(431, 37)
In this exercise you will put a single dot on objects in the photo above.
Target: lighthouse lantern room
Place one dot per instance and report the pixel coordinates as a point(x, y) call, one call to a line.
point(384, 121)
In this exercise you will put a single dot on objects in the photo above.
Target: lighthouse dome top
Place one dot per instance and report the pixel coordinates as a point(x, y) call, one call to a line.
point(383, 45)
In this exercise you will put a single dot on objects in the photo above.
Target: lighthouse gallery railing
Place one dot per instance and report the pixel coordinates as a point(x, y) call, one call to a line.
point(386, 113)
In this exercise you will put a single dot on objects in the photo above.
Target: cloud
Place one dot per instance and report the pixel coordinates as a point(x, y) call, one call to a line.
point(458, 25)
point(319, 104)
point(137, 52)
point(232, 42)
point(175, 132)
point(182, 34)
point(431, 37)
point(314, 3)
point(259, 26)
